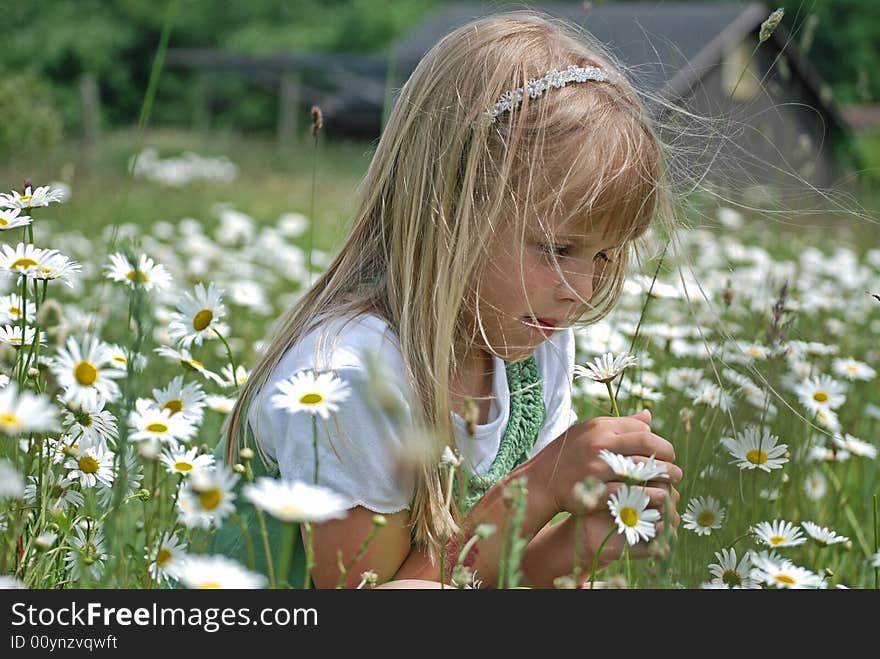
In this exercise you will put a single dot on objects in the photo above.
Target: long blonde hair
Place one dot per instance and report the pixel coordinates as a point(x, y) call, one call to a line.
point(442, 181)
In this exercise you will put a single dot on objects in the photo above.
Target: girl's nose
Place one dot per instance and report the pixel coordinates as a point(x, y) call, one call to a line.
point(576, 284)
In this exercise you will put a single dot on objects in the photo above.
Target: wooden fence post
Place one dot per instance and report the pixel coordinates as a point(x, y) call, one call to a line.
point(288, 106)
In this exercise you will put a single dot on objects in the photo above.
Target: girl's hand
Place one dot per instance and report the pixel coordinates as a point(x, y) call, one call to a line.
point(575, 454)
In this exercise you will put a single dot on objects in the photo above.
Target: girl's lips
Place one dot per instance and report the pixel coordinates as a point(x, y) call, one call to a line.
point(545, 326)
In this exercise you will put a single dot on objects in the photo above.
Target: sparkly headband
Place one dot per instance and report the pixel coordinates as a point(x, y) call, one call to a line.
point(537, 86)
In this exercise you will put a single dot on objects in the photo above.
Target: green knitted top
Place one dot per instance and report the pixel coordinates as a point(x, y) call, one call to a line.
point(527, 415)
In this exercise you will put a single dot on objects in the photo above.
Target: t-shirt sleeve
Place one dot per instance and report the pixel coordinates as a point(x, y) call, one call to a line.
point(361, 448)
point(556, 367)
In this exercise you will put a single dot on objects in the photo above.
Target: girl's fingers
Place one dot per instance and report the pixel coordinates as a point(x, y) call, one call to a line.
point(658, 494)
point(641, 443)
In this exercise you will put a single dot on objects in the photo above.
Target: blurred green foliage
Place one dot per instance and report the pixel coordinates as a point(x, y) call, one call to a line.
point(29, 119)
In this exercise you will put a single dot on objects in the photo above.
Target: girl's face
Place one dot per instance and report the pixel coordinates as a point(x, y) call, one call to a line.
point(525, 294)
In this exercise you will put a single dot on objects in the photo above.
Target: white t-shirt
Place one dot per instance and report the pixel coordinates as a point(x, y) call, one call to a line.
point(362, 448)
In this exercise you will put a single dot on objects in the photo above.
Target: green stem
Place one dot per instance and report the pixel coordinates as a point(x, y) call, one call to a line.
point(613, 400)
point(229, 355)
point(286, 554)
point(598, 555)
point(310, 555)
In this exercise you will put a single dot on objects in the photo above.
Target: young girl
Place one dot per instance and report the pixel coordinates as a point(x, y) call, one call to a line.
point(490, 222)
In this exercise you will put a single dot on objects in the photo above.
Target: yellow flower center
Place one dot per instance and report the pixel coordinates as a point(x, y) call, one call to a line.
point(142, 278)
point(174, 406)
point(85, 373)
point(784, 578)
point(23, 263)
point(756, 456)
point(731, 578)
point(9, 420)
point(157, 426)
point(183, 466)
point(629, 516)
point(3, 222)
point(13, 311)
point(706, 518)
point(210, 499)
point(26, 198)
point(163, 557)
point(202, 319)
point(820, 397)
point(777, 540)
point(311, 399)
point(289, 510)
point(88, 465)
point(754, 352)
point(194, 363)
point(852, 368)
point(210, 585)
point(120, 359)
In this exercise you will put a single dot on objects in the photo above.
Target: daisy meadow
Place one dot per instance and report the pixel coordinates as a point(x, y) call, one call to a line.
point(752, 449)
point(149, 422)
point(11, 482)
point(150, 276)
point(853, 369)
point(187, 400)
point(90, 422)
point(58, 492)
point(703, 515)
point(823, 536)
point(855, 446)
point(11, 309)
point(12, 336)
point(56, 266)
point(32, 197)
point(25, 258)
point(629, 507)
point(308, 392)
point(222, 404)
point(11, 218)
point(778, 533)
point(728, 573)
point(83, 371)
point(87, 555)
point(185, 461)
point(631, 472)
point(605, 368)
point(197, 316)
point(297, 501)
point(200, 571)
point(91, 465)
point(821, 393)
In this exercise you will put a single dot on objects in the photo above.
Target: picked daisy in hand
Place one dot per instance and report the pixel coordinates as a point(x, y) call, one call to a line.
point(753, 449)
point(197, 316)
point(307, 391)
point(200, 571)
point(823, 536)
point(703, 515)
point(778, 533)
point(629, 507)
point(728, 573)
point(150, 275)
point(295, 501)
point(631, 472)
point(604, 369)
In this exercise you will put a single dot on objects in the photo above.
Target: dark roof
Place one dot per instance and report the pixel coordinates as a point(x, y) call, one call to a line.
point(667, 47)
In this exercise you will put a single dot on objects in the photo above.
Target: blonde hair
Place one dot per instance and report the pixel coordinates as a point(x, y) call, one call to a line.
point(443, 180)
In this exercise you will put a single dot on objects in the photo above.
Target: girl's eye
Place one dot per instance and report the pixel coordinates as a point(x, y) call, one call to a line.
point(556, 250)
point(603, 256)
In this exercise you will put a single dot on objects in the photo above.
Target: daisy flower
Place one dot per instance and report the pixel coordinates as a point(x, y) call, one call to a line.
point(855, 446)
point(629, 506)
point(605, 368)
point(784, 574)
point(823, 536)
point(728, 573)
point(684, 378)
point(10, 218)
point(11, 583)
point(22, 260)
point(150, 276)
point(58, 492)
point(197, 316)
point(295, 501)
point(703, 514)
point(778, 533)
point(87, 555)
point(828, 419)
point(200, 571)
point(241, 375)
point(815, 485)
point(134, 474)
point(91, 465)
point(708, 393)
point(187, 400)
point(185, 461)
point(11, 482)
point(207, 498)
point(90, 422)
point(25, 412)
point(11, 309)
point(150, 422)
point(55, 266)
point(222, 404)
point(12, 335)
point(753, 449)
point(310, 392)
point(119, 358)
point(630, 471)
point(852, 369)
point(83, 371)
point(186, 359)
point(166, 557)
point(821, 393)
point(32, 197)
